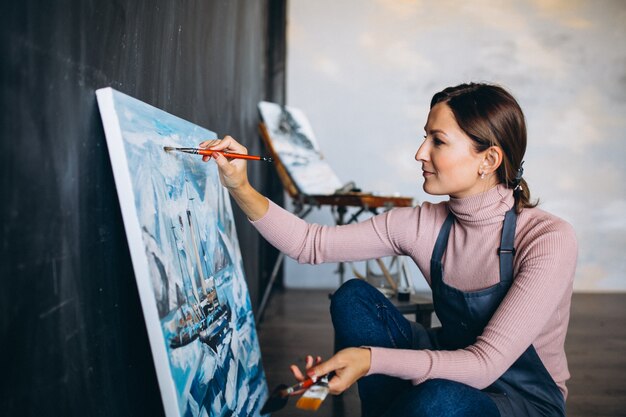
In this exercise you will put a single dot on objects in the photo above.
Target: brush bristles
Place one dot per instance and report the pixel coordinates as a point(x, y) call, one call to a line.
point(307, 403)
point(168, 148)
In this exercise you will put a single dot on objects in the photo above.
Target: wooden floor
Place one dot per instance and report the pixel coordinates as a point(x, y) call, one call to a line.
point(297, 323)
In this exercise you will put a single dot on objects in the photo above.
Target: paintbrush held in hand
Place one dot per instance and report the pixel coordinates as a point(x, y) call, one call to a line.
point(208, 152)
point(313, 397)
point(278, 399)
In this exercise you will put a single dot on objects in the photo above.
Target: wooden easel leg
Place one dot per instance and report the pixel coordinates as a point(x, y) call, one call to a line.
point(270, 286)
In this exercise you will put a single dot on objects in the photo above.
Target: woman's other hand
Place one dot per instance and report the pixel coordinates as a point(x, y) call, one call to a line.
point(349, 365)
point(297, 373)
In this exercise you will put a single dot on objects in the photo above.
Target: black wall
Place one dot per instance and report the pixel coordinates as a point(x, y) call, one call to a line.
point(72, 336)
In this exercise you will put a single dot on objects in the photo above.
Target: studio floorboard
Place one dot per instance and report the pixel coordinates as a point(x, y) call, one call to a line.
point(297, 323)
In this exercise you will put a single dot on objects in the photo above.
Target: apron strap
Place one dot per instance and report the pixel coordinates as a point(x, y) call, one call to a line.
point(506, 251)
point(441, 244)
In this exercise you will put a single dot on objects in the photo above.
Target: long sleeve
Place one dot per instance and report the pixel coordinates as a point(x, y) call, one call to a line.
point(534, 311)
point(314, 244)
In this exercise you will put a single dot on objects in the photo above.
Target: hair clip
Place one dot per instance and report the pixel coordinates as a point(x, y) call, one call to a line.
point(518, 176)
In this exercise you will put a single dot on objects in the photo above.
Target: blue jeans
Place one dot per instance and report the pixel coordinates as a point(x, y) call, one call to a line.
point(362, 316)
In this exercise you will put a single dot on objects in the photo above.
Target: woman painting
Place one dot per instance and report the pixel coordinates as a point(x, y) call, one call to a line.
point(501, 272)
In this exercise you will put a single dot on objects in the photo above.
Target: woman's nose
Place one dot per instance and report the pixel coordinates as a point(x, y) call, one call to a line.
point(422, 152)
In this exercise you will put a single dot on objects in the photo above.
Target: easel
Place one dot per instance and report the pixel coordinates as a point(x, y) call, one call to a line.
point(339, 203)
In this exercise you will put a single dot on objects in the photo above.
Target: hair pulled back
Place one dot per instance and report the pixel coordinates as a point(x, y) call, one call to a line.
point(490, 116)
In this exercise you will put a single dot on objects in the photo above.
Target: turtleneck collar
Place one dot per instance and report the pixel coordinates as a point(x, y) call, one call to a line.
point(485, 208)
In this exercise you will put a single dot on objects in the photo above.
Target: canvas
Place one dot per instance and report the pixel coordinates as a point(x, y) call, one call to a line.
point(187, 262)
point(294, 142)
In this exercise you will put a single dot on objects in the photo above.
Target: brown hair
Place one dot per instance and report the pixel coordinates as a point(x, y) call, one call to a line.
point(490, 116)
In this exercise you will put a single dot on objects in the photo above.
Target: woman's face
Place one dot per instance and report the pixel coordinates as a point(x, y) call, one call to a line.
point(450, 164)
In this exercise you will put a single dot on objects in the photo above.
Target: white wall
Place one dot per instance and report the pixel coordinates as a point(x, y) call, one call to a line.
point(364, 72)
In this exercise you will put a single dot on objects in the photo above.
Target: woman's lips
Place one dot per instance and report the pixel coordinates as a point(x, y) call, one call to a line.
point(427, 173)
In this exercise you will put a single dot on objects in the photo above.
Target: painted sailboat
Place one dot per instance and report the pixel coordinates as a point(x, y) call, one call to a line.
point(201, 315)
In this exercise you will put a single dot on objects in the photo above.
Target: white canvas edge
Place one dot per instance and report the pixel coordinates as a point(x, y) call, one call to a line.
point(117, 154)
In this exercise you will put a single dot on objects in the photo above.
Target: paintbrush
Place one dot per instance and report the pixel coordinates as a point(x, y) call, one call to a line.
point(281, 394)
point(208, 152)
point(312, 399)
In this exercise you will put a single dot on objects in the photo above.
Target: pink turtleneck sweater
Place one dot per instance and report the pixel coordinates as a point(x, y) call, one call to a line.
point(535, 311)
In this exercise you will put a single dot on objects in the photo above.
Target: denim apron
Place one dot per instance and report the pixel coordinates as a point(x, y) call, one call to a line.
point(526, 388)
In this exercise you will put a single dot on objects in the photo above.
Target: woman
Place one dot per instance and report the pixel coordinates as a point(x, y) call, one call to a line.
point(501, 272)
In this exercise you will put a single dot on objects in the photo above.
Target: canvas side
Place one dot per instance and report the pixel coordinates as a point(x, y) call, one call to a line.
point(132, 227)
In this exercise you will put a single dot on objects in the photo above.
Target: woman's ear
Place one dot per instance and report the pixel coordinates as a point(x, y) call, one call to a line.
point(493, 159)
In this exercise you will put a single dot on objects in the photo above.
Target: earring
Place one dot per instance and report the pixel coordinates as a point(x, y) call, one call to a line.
point(482, 170)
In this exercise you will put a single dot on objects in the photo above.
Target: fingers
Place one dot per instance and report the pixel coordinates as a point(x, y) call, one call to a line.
point(209, 143)
point(297, 373)
point(322, 368)
point(224, 165)
point(299, 377)
point(349, 365)
point(309, 363)
point(228, 144)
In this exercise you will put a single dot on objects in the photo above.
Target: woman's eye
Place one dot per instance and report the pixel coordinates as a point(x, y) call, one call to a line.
point(437, 141)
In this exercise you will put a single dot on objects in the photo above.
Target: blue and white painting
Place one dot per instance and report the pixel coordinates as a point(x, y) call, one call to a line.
point(187, 262)
point(293, 140)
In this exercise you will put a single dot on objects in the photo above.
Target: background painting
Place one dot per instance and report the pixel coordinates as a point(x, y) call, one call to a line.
point(187, 262)
point(294, 141)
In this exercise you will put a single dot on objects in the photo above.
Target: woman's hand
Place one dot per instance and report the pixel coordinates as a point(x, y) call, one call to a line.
point(234, 177)
point(233, 173)
point(297, 373)
point(349, 365)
